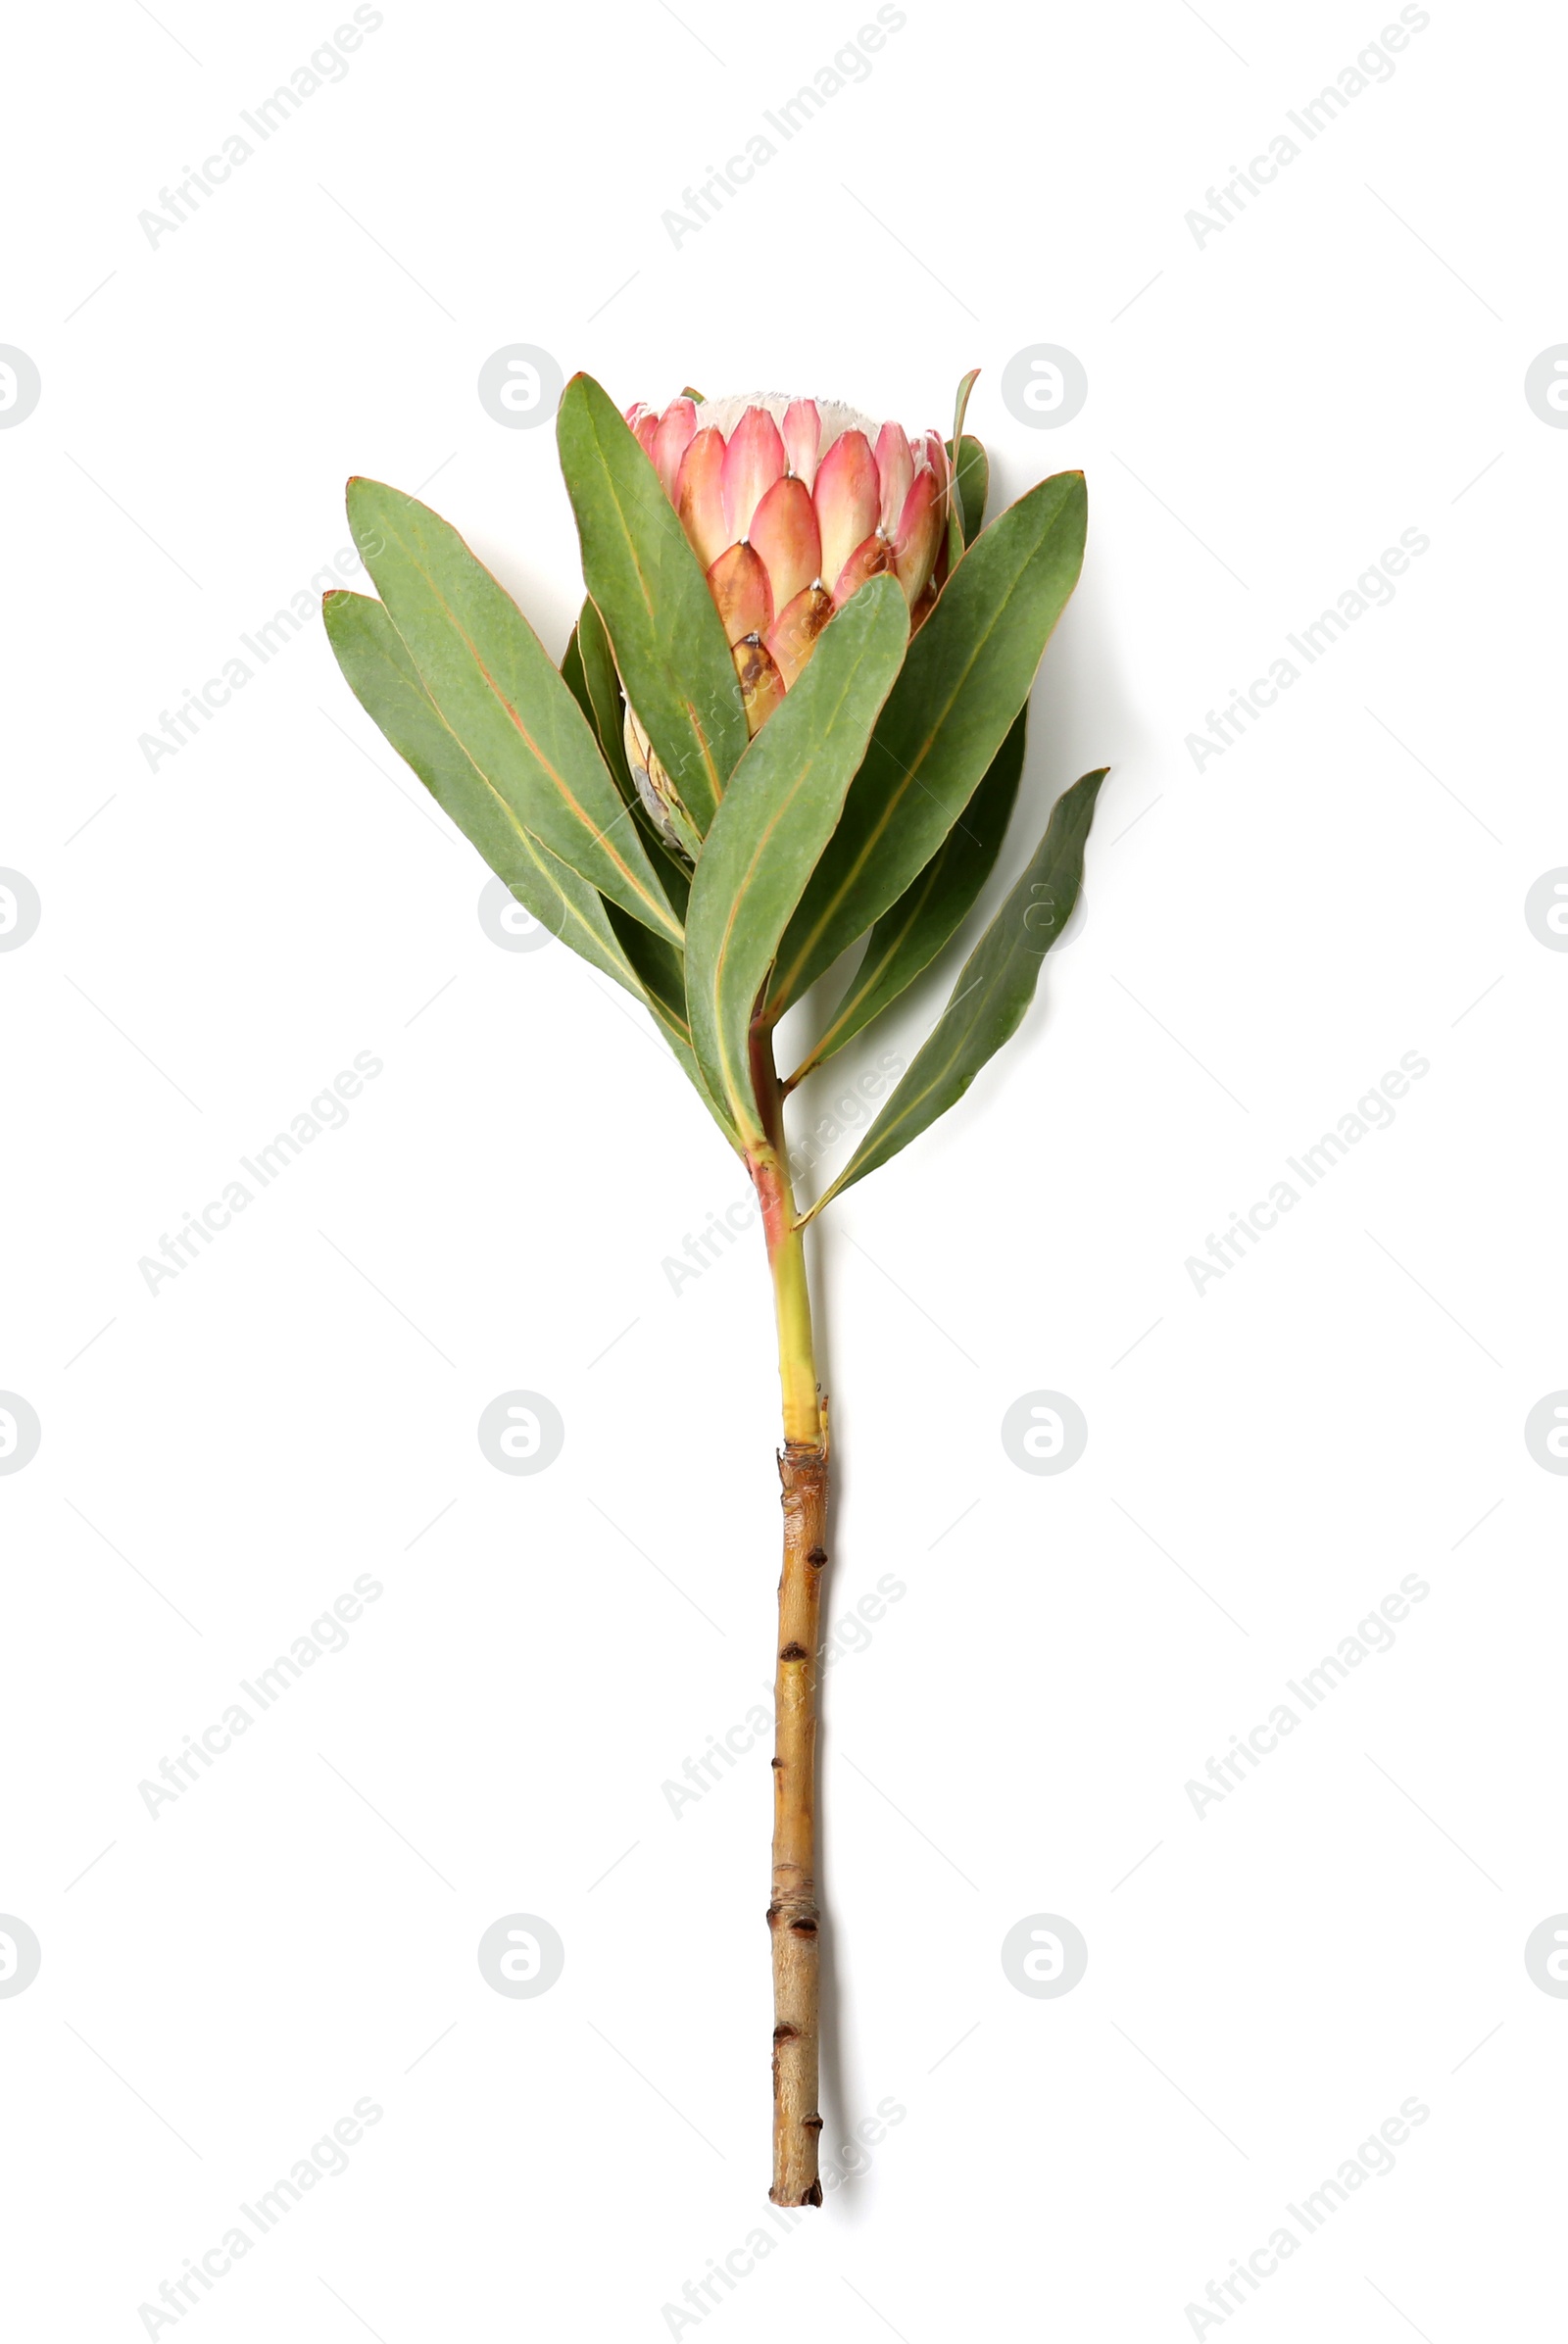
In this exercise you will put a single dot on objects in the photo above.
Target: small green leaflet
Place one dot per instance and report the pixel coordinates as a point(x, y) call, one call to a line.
point(972, 470)
point(994, 989)
point(958, 530)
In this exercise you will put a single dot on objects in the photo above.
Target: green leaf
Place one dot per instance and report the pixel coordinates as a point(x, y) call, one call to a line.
point(649, 586)
point(603, 686)
point(576, 683)
point(967, 674)
point(960, 400)
point(958, 530)
point(994, 989)
point(589, 668)
point(972, 473)
point(776, 816)
point(929, 912)
point(499, 692)
point(385, 680)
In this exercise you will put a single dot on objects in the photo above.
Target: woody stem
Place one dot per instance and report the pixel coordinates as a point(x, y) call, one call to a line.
point(793, 1916)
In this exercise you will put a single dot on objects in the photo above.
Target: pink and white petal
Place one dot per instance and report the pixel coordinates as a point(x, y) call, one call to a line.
point(700, 496)
point(895, 468)
point(846, 496)
point(870, 558)
point(784, 532)
point(738, 584)
point(933, 448)
point(918, 534)
point(677, 427)
point(635, 413)
point(753, 461)
point(796, 628)
point(802, 437)
point(762, 684)
point(645, 425)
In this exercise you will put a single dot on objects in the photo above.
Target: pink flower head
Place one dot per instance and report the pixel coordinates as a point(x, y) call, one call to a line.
point(790, 505)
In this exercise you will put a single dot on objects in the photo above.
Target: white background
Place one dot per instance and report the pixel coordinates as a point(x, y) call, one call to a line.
point(1267, 411)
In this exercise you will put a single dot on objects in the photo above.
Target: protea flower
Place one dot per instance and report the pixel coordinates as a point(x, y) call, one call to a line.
point(734, 582)
point(789, 505)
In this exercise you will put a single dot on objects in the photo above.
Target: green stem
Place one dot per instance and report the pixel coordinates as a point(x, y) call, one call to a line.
point(786, 1254)
point(797, 1361)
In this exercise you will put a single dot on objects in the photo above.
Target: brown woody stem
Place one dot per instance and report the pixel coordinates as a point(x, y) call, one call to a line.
point(793, 1916)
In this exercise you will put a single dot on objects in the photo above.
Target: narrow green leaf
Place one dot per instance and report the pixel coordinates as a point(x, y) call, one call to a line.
point(589, 667)
point(961, 402)
point(967, 674)
point(959, 531)
point(776, 816)
point(972, 473)
point(649, 586)
point(576, 683)
point(499, 695)
point(930, 911)
point(383, 678)
point(994, 989)
point(603, 687)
